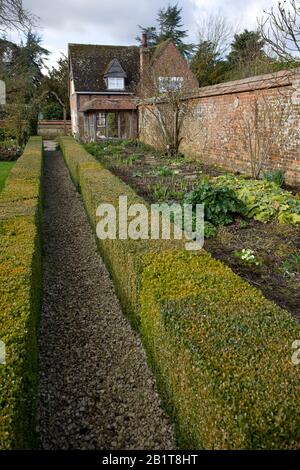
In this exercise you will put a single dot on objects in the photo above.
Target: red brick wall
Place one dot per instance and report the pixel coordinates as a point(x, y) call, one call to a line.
point(214, 132)
point(169, 63)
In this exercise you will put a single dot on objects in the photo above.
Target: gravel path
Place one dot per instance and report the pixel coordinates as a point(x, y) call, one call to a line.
point(96, 391)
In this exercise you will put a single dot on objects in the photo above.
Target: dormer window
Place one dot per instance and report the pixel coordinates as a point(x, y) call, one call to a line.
point(115, 83)
point(115, 76)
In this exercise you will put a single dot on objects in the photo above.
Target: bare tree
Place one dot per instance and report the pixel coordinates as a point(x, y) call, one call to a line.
point(13, 15)
point(168, 109)
point(264, 130)
point(217, 30)
point(280, 28)
point(163, 97)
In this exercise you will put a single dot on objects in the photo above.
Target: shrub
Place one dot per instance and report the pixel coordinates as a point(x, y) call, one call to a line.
point(52, 111)
point(20, 285)
point(210, 230)
point(291, 266)
point(276, 177)
point(264, 201)
point(220, 203)
point(220, 352)
point(5, 134)
point(9, 151)
point(219, 349)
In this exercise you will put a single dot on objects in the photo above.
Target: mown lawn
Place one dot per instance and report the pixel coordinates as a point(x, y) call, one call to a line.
point(5, 168)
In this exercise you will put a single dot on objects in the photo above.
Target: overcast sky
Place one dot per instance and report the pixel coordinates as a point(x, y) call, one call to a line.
point(115, 21)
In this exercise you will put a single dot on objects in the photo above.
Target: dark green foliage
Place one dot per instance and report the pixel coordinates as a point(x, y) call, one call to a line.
point(210, 230)
point(246, 47)
point(5, 135)
point(56, 84)
point(221, 204)
point(291, 266)
point(169, 26)
point(52, 112)
point(9, 150)
point(207, 65)
point(152, 36)
point(276, 177)
point(21, 68)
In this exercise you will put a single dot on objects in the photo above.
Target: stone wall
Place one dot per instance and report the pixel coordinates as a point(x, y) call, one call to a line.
point(226, 121)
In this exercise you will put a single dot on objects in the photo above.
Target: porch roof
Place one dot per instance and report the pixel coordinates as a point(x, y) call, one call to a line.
point(106, 104)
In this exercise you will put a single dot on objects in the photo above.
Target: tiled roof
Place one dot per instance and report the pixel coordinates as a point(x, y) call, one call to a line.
point(90, 62)
point(103, 103)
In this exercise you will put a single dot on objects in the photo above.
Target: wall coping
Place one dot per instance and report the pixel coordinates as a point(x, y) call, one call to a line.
point(279, 79)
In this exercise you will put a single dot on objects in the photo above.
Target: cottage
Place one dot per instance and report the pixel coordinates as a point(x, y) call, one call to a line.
point(106, 81)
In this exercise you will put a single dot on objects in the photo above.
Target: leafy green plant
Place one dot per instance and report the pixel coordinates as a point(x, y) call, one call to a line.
point(177, 195)
point(137, 174)
point(106, 148)
point(131, 159)
point(163, 171)
point(276, 177)
point(247, 256)
point(243, 224)
point(220, 204)
point(291, 266)
point(210, 230)
point(264, 201)
point(5, 135)
point(160, 192)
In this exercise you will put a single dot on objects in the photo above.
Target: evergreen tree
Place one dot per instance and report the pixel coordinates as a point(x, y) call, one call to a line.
point(169, 26)
point(56, 84)
point(207, 65)
point(248, 57)
point(21, 70)
point(247, 46)
point(152, 35)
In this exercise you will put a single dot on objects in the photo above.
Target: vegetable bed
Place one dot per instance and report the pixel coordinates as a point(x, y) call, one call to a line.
point(273, 260)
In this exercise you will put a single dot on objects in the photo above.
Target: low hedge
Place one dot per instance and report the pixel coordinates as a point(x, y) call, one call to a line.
point(20, 288)
point(123, 257)
point(220, 350)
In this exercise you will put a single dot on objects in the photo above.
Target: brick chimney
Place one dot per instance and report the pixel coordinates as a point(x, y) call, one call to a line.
point(144, 53)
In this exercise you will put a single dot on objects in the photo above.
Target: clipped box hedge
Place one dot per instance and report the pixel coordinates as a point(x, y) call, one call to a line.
point(123, 257)
point(20, 288)
point(220, 350)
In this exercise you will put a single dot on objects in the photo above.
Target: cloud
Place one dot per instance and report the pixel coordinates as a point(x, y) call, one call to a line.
point(116, 21)
point(243, 13)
